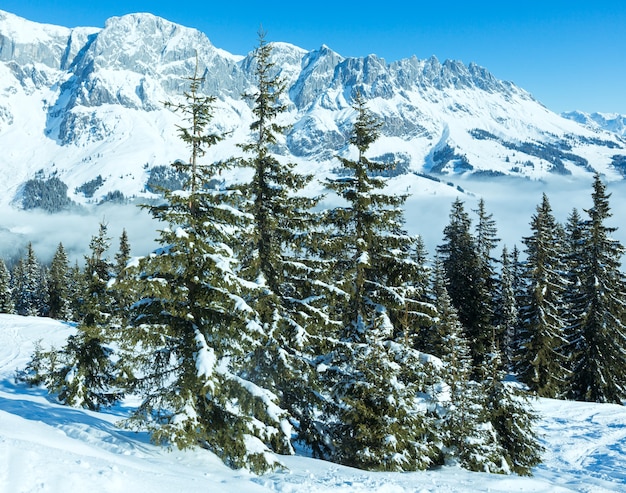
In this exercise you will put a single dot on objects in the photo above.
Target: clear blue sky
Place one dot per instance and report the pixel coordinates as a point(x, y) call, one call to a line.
point(568, 54)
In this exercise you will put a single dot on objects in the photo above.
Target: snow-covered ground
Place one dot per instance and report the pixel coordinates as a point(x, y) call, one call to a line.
point(46, 447)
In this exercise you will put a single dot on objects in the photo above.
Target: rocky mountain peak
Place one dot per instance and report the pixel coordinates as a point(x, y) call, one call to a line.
point(95, 91)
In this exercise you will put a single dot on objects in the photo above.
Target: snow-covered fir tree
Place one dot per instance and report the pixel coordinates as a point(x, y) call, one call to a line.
point(278, 255)
point(541, 363)
point(575, 265)
point(6, 297)
point(469, 437)
point(486, 241)
point(512, 418)
point(97, 303)
point(434, 338)
point(122, 297)
point(59, 286)
point(377, 382)
point(76, 290)
point(88, 376)
point(469, 272)
point(506, 312)
point(83, 372)
point(28, 285)
point(122, 256)
point(191, 328)
point(598, 335)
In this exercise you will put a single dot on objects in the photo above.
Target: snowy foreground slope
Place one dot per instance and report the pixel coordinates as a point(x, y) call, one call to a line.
point(52, 448)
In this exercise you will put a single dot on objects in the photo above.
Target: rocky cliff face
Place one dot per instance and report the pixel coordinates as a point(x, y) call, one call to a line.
point(100, 92)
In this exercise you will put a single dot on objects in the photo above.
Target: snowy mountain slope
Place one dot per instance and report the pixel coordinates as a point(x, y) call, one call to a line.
point(48, 447)
point(79, 103)
point(611, 122)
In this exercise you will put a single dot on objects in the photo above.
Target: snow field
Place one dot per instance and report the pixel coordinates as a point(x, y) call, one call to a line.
point(52, 448)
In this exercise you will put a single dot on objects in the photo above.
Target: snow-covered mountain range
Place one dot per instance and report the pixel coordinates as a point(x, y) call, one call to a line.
point(87, 102)
point(612, 122)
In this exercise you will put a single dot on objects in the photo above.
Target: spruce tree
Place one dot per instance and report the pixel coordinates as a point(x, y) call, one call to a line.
point(278, 254)
point(574, 253)
point(516, 269)
point(83, 372)
point(191, 327)
point(6, 297)
point(486, 241)
point(541, 362)
point(98, 302)
point(470, 273)
point(378, 382)
point(59, 286)
point(76, 290)
point(88, 376)
point(28, 285)
point(469, 430)
point(122, 256)
point(506, 316)
point(510, 414)
point(575, 265)
point(598, 335)
point(122, 297)
point(435, 338)
point(466, 432)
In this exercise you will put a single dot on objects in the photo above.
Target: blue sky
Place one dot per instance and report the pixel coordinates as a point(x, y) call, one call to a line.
point(569, 55)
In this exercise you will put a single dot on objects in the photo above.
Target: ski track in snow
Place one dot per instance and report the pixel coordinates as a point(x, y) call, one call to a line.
point(47, 447)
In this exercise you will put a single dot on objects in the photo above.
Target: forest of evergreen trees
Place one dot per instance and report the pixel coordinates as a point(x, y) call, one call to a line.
point(262, 322)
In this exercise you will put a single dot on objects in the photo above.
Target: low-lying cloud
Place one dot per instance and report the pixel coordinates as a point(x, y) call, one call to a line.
point(511, 201)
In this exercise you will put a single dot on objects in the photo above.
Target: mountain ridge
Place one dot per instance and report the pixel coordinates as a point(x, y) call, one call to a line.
point(82, 102)
point(611, 122)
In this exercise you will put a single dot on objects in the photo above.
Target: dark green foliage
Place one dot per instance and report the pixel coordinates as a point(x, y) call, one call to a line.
point(468, 436)
point(486, 174)
point(382, 422)
point(97, 301)
point(279, 216)
point(541, 361)
point(398, 164)
point(597, 336)
point(81, 373)
point(88, 189)
point(377, 381)
point(49, 195)
point(435, 338)
point(555, 153)
point(444, 156)
point(166, 178)
point(506, 316)
point(512, 418)
point(122, 256)
point(59, 286)
point(580, 139)
point(278, 254)
point(619, 162)
point(28, 285)
point(115, 197)
point(190, 330)
point(468, 268)
point(7, 304)
point(88, 378)
point(87, 375)
point(76, 291)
